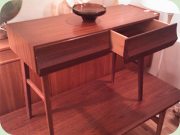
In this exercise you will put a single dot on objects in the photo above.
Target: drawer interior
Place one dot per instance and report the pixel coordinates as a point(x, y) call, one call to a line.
point(141, 39)
point(141, 28)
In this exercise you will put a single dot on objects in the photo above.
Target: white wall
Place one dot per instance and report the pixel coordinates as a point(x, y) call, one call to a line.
point(33, 9)
point(170, 67)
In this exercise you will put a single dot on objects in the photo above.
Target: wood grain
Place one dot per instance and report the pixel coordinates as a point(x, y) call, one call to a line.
point(58, 28)
point(61, 81)
point(26, 87)
point(99, 107)
point(27, 37)
point(47, 104)
point(68, 53)
point(10, 85)
point(143, 39)
point(4, 45)
point(7, 56)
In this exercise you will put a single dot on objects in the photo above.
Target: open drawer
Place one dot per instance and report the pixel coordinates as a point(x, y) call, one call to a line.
point(142, 39)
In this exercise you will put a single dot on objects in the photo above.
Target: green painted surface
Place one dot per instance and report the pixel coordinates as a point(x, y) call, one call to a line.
point(177, 2)
point(2, 132)
point(2, 2)
point(177, 132)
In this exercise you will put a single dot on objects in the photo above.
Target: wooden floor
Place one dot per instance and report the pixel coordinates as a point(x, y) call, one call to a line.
point(100, 108)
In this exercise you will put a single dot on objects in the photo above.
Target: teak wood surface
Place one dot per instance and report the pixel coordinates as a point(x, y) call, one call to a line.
point(11, 77)
point(98, 108)
point(38, 42)
point(47, 47)
point(4, 45)
point(139, 40)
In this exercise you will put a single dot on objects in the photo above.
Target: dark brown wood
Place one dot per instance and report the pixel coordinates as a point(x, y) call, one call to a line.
point(140, 78)
point(155, 119)
point(28, 38)
point(68, 53)
point(27, 91)
point(98, 108)
point(160, 122)
point(114, 57)
point(47, 103)
point(89, 11)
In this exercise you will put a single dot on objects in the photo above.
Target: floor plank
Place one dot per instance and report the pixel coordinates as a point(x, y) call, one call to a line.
point(101, 108)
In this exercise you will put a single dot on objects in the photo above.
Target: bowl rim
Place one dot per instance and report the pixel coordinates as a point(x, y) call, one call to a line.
point(89, 13)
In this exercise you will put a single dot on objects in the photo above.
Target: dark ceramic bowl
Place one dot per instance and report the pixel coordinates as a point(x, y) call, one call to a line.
point(89, 11)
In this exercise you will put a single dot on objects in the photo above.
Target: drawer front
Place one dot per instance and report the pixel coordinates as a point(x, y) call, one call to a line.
point(143, 39)
point(150, 42)
point(71, 52)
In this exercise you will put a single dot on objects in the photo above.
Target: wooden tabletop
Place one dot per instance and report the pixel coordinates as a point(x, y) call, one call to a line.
point(98, 108)
point(68, 26)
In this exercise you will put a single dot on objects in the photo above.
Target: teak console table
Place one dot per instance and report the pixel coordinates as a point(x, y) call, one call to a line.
point(50, 44)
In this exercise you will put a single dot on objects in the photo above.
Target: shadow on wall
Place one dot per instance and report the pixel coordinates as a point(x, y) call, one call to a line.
point(57, 7)
point(35, 9)
point(170, 68)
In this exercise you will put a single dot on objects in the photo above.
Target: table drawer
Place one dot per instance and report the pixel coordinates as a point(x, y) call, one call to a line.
point(142, 39)
point(70, 52)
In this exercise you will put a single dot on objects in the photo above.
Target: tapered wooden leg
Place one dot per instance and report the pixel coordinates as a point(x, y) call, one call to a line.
point(140, 78)
point(160, 122)
point(47, 103)
point(114, 57)
point(27, 91)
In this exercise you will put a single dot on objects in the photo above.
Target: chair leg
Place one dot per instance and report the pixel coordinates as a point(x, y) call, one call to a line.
point(47, 103)
point(114, 57)
point(27, 91)
point(160, 122)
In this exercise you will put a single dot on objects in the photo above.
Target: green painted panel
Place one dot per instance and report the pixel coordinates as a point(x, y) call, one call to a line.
point(177, 2)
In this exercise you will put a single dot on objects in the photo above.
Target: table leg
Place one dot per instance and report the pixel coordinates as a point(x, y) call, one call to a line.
point(160, 122)
point(114, 57)
point(27, 91)
point(47, 103)
point(140, 78)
